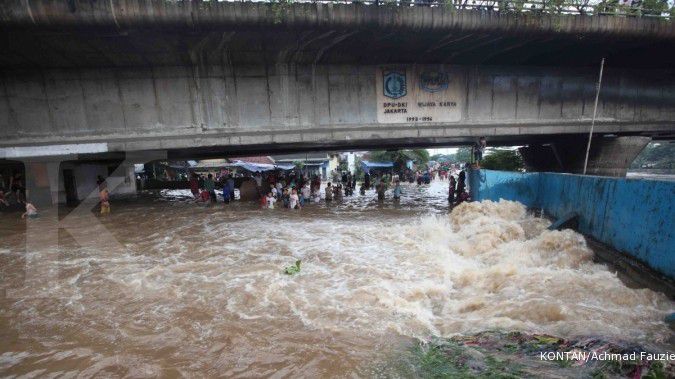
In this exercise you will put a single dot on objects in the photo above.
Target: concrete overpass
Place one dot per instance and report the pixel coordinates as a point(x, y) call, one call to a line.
point(104, 78)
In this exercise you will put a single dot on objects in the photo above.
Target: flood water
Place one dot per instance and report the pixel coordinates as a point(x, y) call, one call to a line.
point(168, 287)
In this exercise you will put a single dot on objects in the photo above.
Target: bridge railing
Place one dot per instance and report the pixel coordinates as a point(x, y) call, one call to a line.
point(664, 9)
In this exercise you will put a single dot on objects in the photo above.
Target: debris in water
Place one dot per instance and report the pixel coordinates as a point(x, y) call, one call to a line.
point(292, 270)
point(497, 354)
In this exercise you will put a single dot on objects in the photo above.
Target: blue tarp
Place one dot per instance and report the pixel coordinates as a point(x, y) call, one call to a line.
point(367, 165)
point(262, 167)
point(370, 164)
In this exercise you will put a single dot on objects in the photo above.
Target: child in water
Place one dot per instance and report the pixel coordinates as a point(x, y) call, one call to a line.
point(105, 203)
point(270, 200)
point(31, 211)
point(295, 200)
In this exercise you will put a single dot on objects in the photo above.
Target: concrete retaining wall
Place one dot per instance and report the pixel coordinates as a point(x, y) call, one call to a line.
point(634, 216)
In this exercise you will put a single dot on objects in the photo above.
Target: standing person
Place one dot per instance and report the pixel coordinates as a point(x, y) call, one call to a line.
point(17, 188)
point(270, 200)
point(397, 190)
point(295, 200)
point(210, 187)
point(258, 180)
point(194, 185)
point(337, 191)
point(479, 149)
point(227, 195)
point(451, 189)
point(2, 197)
point(280, 189)
point(316, 184)
point(366, 181)
point(230, 184)
point(305, 196)
point(286, 197)
point(329, 192)
point(461, 184)
point(104, 198)
point(2, 192)
point(381, 188)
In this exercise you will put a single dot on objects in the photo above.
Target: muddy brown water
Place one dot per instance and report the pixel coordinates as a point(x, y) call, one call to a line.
point(166, 287)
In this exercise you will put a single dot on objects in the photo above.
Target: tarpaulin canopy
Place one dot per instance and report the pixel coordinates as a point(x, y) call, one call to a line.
point(255, 167)
point(370, 164)
point(367, 165)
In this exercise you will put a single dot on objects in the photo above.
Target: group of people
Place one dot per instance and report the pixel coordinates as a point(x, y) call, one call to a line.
point(457, 189)
point(204, 189)
point(13, 192)
point(291, 191)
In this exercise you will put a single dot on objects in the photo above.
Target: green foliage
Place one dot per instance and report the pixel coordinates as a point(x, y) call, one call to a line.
point(463, 155)
point(449, 359)
point(505, 160)
point(279, 9)
point(656, 371)
point(292, 270)
point(657, 155)
point(654, 7)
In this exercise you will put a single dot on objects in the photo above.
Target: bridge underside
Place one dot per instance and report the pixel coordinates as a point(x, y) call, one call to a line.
point(139, 33)
point(105, 80)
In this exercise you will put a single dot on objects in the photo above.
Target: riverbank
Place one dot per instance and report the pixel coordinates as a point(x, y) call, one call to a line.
point(507, 355)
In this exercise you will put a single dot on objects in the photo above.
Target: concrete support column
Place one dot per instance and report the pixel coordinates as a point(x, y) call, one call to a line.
point(609, 156)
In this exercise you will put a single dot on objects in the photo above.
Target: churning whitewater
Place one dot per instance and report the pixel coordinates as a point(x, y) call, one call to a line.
point(201, 290)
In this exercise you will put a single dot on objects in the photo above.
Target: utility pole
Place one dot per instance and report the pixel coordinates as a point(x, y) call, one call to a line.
point(595, 110)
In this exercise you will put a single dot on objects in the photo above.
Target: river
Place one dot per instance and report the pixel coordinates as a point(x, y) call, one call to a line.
point(190, 290)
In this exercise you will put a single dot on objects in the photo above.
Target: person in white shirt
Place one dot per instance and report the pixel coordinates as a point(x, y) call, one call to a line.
point(270, 201)
point(295, 200)
point(306, 193)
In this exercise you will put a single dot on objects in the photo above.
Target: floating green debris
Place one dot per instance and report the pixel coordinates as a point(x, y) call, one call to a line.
point(497, 354)
point(292, 270)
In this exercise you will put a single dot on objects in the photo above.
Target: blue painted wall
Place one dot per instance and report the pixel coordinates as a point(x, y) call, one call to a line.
point(634, 216)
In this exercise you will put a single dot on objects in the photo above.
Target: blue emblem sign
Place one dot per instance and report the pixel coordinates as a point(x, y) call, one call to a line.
point(434, 81)
point(394, 84)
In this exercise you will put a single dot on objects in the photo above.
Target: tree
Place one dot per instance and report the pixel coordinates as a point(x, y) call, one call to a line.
point(442, 157)
point(401, 157)
point(500, 159)
point(656, 155)
point(463, 155)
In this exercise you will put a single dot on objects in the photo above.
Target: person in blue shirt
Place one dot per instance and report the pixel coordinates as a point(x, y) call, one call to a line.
point(227, 195)
point(397, 190)
point(230, 183)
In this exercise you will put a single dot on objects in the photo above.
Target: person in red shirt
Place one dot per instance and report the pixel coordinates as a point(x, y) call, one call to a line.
point(194, 185)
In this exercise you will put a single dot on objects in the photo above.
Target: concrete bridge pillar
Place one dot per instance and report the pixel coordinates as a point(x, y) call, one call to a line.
point(609, 156)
